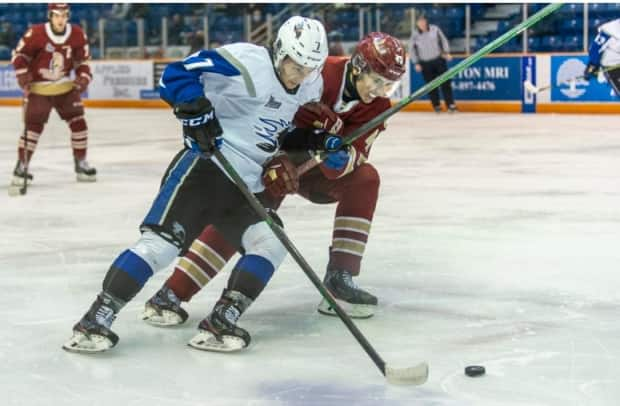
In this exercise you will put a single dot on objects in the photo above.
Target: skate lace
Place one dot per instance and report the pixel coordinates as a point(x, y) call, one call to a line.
point(347, 279)
point(170, 297)
point(83, 164)
point(231, 314)
point(105, 316)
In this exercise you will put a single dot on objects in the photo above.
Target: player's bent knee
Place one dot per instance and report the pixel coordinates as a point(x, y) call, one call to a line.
point(368, 175)
point(258, 239)
point(155, 250)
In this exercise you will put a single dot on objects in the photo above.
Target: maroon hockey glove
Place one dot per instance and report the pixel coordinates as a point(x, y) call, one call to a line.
point(24, 80)
point(280, 177)
point(81, 83)
point(318, 115)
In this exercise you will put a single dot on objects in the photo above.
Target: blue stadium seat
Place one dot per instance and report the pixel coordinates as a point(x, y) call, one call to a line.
point(533, 43)
point(594, 23)
point(572, 8)
point(456, 12)
point(5, 53)
point(572, 25)
point(573, 43)
point(434, 13)
point(551, 43)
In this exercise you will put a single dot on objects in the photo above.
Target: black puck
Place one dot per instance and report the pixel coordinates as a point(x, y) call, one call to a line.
point(474, 370)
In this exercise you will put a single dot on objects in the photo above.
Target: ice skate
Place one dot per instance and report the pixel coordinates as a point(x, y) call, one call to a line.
point(17, 181)
point(84, 172)
point(356, 302)
point(219, 331)
point(92, 333)
point(164, 309)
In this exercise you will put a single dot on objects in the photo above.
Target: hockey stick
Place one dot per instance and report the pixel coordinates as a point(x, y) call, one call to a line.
point(24, 188)
point(415, 375)
point(530, 87)
point(15, 190)
point(438, 81)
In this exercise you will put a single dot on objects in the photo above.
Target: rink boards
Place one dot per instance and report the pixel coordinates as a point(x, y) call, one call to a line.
point(493, 84)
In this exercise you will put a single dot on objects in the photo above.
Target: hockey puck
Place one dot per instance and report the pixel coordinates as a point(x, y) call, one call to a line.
point(474, 370)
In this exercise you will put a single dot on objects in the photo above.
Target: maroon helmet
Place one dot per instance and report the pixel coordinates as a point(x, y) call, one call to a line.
point(57, 8)
point(381, 53)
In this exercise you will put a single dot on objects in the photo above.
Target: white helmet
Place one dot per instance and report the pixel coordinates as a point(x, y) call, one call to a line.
point(303, 40)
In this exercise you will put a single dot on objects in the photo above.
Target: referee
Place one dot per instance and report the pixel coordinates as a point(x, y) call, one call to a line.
point(430, 52)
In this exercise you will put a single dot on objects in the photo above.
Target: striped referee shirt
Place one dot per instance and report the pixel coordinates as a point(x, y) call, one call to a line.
point(429, 45)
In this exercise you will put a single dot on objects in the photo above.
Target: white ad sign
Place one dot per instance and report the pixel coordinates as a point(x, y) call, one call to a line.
point(120, 79)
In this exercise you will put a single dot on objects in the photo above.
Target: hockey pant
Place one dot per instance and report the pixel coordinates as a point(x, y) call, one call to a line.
point(356, 195)
point(37, 110)
point(195, 192)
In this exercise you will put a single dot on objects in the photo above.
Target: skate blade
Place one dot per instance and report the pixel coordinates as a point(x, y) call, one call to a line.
point(206, 341)
point(81, 343)
point(82, 177)
point(355, 311)
point(164, 319)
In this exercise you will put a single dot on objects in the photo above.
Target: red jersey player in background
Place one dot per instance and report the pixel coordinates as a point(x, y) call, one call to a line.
point(355, 91)
point(43, 60)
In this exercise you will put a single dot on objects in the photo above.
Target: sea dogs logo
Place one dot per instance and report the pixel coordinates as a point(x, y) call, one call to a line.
point(268, 130)
point(566, 78)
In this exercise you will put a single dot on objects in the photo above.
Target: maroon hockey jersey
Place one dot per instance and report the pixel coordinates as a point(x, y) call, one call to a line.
point(50, 58)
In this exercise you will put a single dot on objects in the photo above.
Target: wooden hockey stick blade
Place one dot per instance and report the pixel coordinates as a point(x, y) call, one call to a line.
point(415, 375)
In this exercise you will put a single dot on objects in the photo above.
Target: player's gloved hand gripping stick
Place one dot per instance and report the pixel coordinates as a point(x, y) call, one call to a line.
point(201, 129)
point(438, 81)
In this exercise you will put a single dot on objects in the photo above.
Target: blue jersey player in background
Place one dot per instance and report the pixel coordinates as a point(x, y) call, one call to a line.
point(604, 54)
point(237, 98)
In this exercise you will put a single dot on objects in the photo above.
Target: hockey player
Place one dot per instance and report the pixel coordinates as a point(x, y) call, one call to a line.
point(236, 98)
point(43, 60)
point(356, 89)
point(604, 54)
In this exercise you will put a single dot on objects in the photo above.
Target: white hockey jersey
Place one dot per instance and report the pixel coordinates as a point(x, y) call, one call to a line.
point(605, 49)
point(250, 102)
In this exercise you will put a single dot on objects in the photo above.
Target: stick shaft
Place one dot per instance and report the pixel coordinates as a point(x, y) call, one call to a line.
point(24, 188)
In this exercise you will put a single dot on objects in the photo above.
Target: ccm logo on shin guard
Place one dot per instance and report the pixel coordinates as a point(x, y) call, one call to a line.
point(196, 121)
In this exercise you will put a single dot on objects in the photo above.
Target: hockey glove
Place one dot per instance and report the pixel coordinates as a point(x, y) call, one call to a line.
point(318, 115)
point(24, 80)
point(201, 129)
point(337, 160)
point(590, 72)
point(280, 177)
point(81, 83)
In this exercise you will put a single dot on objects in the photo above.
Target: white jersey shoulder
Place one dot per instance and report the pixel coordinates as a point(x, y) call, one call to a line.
point(611, 28)
point(611, 49)
point(253, 107)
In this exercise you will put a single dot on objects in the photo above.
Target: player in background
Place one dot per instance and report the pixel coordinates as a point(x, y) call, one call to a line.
point(357, 90)
point(43, 60)
point(236, 98)
point(604, 53)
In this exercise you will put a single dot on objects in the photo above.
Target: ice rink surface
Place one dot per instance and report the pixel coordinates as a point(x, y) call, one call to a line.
point(496, 242)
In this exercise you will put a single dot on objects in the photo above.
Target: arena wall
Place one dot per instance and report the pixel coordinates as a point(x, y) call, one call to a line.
point(493, 84)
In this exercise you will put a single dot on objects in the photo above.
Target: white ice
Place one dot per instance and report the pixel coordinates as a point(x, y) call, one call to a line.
point(496, 242)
